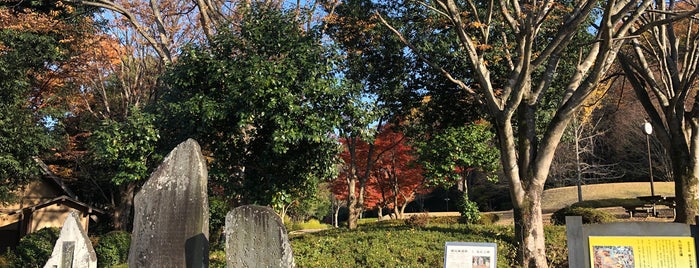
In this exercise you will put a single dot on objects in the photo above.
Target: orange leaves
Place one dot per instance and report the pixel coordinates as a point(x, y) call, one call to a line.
point(29, 21)
point(84, 55)
point(477, 24)
point(352, 30)
point(483, 47)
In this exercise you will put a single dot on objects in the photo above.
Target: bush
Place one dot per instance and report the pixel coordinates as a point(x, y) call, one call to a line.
point(113, 248)
point(445, 220)
point(35, 249)
point(469, 210)
point(556, 246)
point(418, 220)
point(8, 258)
point(217, 259)
point(487, 219)
point(589, 215)
point(375, 245)
point(309, 224)
point(218, 208)
point(385, 223)
point(288, 224)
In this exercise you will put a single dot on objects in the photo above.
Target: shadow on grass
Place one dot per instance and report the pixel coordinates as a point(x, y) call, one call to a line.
point(611, 202)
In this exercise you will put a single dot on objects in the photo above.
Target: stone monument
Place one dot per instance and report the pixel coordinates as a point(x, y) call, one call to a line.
point(171, 215)
point(73, 248)
point(256, 237)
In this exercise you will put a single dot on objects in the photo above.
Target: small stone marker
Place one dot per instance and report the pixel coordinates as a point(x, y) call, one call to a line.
point(256, 237)
point(171, 217)
point(73, 248)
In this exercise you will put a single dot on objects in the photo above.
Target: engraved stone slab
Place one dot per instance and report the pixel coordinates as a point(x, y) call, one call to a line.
point(73, 248)
point(256, 237)
point(171, 213)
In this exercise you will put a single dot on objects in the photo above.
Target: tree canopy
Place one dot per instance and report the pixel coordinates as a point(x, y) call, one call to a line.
point(261, 101)
point(38, 49)
point(449, 156)
point(514, 50)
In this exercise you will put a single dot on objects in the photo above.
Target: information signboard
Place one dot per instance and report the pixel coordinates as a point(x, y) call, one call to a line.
point(642, 252)
point(470, 255)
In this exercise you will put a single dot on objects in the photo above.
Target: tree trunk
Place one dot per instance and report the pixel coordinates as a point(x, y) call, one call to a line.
point(464, 180)
point(355, 203)
point(402, 209)
point(529, 230)
point(337, 213)
point(686, 184)
point(396, 208)
point(397, 212)
point(686, 175)
point(578, 167)
point(526, 167)
point(123, 220)
point(462, 185)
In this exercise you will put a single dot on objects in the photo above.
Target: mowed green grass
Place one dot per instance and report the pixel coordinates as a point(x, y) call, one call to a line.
point(399, 245)
point(393, 244)
point(557, 198)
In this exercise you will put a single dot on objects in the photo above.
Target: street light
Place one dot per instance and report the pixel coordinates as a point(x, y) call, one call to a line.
point(648, 129)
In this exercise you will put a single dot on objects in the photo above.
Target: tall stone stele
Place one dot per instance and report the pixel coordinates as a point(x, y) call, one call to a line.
point(256, 237)
point(171, 217)
point(73, 248)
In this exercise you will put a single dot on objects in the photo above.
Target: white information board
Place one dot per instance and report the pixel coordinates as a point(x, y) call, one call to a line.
point(470, 255)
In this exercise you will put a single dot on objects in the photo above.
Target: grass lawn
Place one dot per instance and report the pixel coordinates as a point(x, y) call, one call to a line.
point(557, 198)
point(394, 244)
point(398, 245)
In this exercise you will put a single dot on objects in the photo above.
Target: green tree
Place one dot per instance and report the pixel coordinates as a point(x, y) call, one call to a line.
point(27, 54)
point(450, 156)
point(375, 67)
point(513, 50)
point(262, 101)
point(123, 152)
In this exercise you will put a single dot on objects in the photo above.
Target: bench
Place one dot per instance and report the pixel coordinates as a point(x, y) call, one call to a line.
point(671, 209)
point(648, 209)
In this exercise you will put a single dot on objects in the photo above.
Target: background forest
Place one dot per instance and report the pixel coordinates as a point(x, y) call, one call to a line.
point(336, 110)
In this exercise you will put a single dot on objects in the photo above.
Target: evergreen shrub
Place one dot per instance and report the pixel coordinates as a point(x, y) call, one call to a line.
point(35, 248)
point(589, 215)
point(113, 248)
point(487, 219)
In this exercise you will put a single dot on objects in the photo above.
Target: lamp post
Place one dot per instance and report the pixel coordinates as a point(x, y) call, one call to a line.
point(648, 129)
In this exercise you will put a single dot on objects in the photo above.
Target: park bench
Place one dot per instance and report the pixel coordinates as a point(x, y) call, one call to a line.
point(650, 206)
point(671, 205)
point(647, 209)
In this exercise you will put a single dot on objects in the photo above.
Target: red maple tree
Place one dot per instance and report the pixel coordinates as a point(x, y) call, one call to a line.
point(395, 178)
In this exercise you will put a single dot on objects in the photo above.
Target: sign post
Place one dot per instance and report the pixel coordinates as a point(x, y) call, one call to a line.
point(470, 255)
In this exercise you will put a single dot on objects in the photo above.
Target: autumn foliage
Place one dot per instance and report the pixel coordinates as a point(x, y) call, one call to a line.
point(395, 179)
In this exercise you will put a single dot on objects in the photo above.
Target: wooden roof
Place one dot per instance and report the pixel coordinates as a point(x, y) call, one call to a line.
point(61, 200)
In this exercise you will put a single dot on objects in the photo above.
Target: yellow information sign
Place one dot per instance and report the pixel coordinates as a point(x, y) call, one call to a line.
point(642, 252)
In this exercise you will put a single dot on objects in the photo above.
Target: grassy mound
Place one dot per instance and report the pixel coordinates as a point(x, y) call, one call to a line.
point(384, 245)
